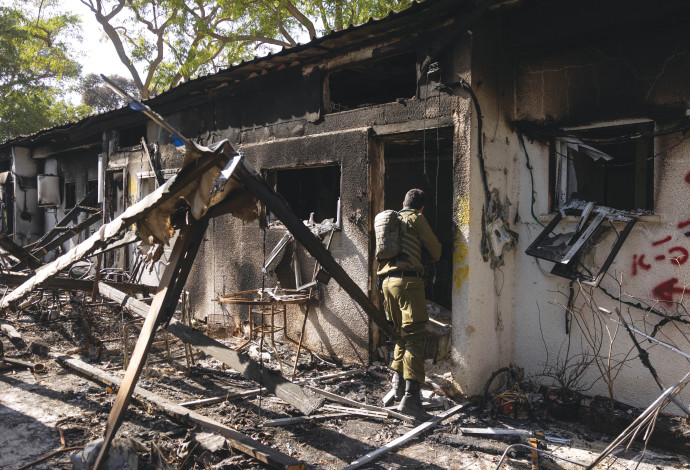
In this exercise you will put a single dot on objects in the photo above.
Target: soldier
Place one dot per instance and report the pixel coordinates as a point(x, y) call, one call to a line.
point(405, 303)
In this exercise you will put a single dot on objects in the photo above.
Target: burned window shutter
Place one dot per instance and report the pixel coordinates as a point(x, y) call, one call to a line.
point(566, 249)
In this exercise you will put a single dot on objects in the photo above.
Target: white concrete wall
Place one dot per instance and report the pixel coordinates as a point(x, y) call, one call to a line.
point(482, 297)
point(524, 321)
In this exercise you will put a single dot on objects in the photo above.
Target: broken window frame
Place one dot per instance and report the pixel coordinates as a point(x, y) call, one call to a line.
point(272, 174)
point(591, 218)
point(565, 172)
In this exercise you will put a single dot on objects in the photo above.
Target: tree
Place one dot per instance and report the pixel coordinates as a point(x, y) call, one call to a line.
point(96, 95)
point(175, 40)
point(36, 65)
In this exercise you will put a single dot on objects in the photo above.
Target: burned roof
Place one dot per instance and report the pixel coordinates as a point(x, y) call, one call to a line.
point(404, 26)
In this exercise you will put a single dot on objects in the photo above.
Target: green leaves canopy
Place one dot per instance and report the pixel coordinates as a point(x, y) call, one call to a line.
point(35, 67)
point(175, 40)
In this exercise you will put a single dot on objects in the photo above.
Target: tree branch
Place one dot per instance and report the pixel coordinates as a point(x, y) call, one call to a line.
point(114, 37)
point(299, 16)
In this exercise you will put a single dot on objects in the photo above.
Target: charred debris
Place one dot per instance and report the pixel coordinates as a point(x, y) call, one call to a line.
point(121, 323)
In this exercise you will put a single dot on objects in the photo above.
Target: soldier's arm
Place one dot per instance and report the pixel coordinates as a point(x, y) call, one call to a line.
point(427, 238)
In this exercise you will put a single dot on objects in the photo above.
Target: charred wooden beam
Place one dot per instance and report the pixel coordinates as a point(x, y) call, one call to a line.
point(276, 384)
point(13, 335)
point(175, 187)
point(161, 311)
point(16, 279)
point(68, 233)
point(33, 366)
point(310, 242)
point(24, 256)
point(237, 440)
point(82, 206)
point(373, 455)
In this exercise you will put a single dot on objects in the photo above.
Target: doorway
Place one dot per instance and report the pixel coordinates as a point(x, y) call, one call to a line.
point(424, 160)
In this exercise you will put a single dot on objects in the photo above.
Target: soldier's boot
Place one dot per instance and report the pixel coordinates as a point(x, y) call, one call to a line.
point(411, 403)
point(397, 391)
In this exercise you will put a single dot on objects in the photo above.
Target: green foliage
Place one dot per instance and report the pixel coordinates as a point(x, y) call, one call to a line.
point(28, 110)
point(336, 15)
point(176, 40)
point(97, 96)
point(35, 69)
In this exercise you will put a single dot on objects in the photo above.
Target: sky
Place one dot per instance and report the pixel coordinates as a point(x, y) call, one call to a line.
point(97, 54)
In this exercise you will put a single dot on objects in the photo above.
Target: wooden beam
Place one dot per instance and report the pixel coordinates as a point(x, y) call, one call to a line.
point(276, 384)
point(67, 234)
point(236, 440)
point(304, 419)
point(161, 310)
point(174, 188)
point(25, 258)
point(347, 401)
point(229, 396)
point(16, 279)
point(310, 242)
point(404, 438)
point(66, 220)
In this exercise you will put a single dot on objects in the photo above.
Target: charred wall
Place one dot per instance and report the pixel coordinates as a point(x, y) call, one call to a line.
point(564, 69)
point(282, 125)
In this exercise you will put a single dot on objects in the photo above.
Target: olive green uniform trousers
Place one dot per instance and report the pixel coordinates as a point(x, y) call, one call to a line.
point(405, 303)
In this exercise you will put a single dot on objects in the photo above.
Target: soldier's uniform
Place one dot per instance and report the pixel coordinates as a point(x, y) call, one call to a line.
point(403, 291)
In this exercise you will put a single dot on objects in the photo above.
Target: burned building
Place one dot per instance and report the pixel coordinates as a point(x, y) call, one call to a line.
point(505, 113)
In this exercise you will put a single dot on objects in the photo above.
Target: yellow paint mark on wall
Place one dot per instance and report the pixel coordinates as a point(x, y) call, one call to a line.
point(462, 269)
point(460, 265)
point(133, 188)
point(463, 210)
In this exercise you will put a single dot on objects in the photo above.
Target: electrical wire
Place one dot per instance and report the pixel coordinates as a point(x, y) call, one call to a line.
point(480, 153)
point(531, 176)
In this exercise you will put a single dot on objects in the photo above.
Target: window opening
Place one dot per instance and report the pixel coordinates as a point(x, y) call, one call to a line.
point(372, 82)
point(566, 248)
point(92, 185)
point(309, 190)
point(70, 195)
point(131, 136)
point(601, 165)
point(146, 184)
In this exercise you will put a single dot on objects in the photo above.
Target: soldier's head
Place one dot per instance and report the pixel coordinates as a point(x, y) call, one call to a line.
point(414, 199)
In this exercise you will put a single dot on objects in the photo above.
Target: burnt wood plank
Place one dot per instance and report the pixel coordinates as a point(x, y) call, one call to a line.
point(16, 279)
point(161, 310)
point(173, 188)
point(237, 440)
point(67, 234)
point(66, 220)
point(25, 258)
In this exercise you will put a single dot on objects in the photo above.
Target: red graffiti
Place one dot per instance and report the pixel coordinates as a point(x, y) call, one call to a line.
point(681, 258)
point(687, 178)
point(660, 258)
point(683, 224)
point(667, 290)
point(638, 260)
point(662, 241)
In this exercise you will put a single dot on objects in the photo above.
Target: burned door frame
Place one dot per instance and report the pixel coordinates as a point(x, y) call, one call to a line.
point(376, 177)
